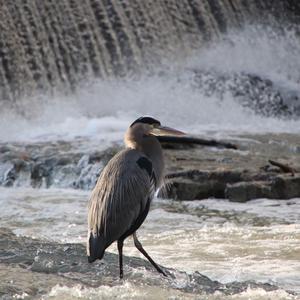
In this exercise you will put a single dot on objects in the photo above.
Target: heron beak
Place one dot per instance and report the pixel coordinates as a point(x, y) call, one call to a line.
point(166, 131)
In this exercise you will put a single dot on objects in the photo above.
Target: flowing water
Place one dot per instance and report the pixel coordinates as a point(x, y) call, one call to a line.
point(227, 242)
point(259, 240)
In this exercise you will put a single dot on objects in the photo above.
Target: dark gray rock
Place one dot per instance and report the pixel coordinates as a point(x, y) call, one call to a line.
point(51, 263)
point(278, 187)
point(190, 190)
point(286, 187)
point(242, 175)
point(259, 94)
point(195, 184)
point(235, 185)
point(245, 191)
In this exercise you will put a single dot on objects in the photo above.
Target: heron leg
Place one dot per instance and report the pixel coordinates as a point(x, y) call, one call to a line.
point(139, 246)
point(120, 249)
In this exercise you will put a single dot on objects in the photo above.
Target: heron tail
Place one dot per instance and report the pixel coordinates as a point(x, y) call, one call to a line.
point(96, 247)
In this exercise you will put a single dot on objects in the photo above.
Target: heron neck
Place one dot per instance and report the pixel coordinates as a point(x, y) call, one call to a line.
point(150, 146)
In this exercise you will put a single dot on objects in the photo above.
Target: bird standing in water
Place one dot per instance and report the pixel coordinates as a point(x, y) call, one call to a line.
point(121, 198)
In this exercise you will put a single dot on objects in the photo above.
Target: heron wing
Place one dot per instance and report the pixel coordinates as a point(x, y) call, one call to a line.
point(121, 194)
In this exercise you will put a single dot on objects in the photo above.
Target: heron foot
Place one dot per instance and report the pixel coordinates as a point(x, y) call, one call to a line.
point(139, 246)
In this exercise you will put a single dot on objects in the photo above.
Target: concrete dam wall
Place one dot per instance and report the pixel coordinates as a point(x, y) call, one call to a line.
point(52, 45)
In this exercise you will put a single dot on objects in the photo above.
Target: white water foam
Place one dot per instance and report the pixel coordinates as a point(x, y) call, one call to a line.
point(123, 291)
point(212, 243)
point(174, 105)
point(256, 50)
point(106, 106)
point(130, 291)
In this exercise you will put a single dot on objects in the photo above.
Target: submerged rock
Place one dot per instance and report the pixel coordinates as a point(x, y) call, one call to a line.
point(33, 267)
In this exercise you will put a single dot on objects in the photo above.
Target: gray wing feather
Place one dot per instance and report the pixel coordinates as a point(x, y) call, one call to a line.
point(119, 196)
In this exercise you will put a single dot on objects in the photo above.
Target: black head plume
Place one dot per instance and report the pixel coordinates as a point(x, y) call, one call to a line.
point(146, 120)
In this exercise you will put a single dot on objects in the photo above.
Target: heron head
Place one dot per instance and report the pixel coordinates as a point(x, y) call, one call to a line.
point(149, 126)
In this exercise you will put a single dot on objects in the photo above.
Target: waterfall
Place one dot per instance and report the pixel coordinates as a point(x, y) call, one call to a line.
point(48, 46)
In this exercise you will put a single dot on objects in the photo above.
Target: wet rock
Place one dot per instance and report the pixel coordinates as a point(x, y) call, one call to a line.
point(39, 172)
point(252, 91)
point(190, 190)
point(278, 187)
point(238, 186)
point(286, 187)
point(200, 172)
point(51, 263)
point(245, 191)
point(195, 184)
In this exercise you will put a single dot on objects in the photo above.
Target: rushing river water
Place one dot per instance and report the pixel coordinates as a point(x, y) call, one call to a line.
point(258, 241)
point(226, 241)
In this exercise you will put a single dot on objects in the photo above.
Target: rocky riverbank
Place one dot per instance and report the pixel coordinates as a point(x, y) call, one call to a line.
point(193, 171)
point(31, 267)
point(238, 175)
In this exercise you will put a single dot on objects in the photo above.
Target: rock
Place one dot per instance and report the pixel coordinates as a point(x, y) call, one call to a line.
point(245, 191)
point(286, 186)
point(39, 171)
point(195, 184)
point(190, 190)
point(280, 187)
point(34, 267)
point(260, 94)
point(200, 172)
point(237, 186)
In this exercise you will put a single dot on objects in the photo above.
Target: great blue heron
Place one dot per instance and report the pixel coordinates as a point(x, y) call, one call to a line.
point(121, 198)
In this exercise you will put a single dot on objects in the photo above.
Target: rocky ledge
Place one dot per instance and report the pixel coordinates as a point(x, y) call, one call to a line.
point(194, 171)
point(263, 166)
point(235, 185)
point(32, 267)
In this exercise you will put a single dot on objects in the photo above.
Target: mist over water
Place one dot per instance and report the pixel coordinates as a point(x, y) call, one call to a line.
point(171, 94)
point(265, 51)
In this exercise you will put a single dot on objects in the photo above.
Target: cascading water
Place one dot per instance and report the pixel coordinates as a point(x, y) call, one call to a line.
point(47, 46)
point(247, 81)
